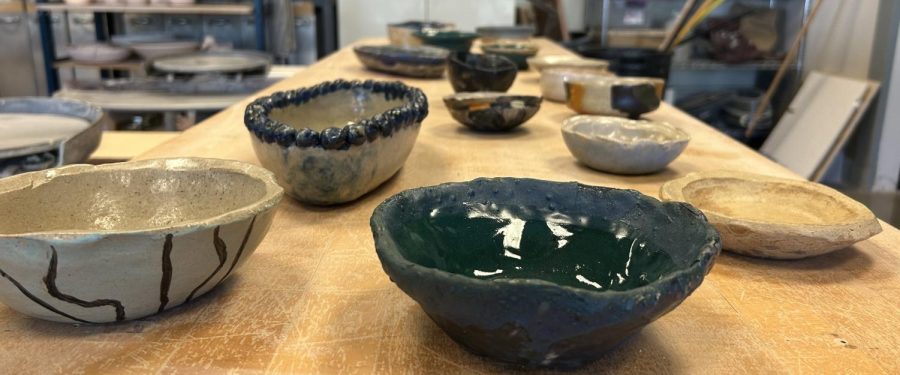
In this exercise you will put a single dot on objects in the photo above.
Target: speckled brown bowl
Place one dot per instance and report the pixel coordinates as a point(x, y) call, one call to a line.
point(95, 244)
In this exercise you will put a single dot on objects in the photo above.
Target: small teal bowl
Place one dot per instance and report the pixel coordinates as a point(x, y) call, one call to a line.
point(455, 41)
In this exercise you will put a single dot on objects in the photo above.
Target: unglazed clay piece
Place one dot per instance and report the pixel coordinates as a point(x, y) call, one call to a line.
point(553, 80)
point(541, 273)
point(773, 217)
point(333, 142)
point(540, 63)
point(492, 111)
point(421, 61)
point(623, 146)
point(108, 243)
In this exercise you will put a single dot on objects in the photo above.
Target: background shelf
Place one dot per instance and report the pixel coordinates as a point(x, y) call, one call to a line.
point(222, 9)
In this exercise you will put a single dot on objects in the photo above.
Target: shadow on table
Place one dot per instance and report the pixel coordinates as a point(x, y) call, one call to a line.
point(835, 267)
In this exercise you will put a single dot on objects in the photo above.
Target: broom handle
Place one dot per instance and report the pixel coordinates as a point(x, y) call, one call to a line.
point(788, 61)
point(676, 26)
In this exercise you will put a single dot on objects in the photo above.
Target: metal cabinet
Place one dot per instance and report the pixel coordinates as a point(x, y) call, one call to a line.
point(184, 25)
point(17, 70)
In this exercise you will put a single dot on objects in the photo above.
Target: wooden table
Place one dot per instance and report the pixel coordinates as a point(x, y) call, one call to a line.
point(313, 299)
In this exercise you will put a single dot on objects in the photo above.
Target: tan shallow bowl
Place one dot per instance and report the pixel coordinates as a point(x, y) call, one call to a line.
point(94, 244)
point(773, 217)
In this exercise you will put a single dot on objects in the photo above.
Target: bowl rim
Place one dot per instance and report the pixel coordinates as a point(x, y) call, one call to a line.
point(466, 97)
point(697, 267)
point(454, 59)
point(864, 220)
point(273, 194)
point(527, 49)
point(439, 34)
point(423, 54)
point(569, 123)
point(341, 137)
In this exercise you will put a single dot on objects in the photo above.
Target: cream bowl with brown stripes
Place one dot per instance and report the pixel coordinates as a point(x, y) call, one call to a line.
point(98, 244)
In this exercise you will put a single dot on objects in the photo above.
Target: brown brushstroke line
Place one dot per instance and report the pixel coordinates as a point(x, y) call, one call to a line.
point(38, 300)
point(240, 251)
point(222, 253)
point(166, 279)
point(50, 282)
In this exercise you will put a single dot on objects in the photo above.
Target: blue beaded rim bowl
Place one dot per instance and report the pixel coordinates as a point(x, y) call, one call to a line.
point(257, 120)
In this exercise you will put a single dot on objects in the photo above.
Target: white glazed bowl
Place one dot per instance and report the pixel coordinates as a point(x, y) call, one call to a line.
point(553, 80)
point(335, 141)
point(566, 61)
point(599, 95)
point(97, 53)
point(623, 146)
point(108, 243)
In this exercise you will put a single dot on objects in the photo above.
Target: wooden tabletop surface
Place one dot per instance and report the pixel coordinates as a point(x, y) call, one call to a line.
point(313, 298)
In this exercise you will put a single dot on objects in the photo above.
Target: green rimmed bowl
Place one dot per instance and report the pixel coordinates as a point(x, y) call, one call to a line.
point(541, 273)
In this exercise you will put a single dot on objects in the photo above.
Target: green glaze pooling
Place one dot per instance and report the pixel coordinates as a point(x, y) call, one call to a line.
point(491, 242)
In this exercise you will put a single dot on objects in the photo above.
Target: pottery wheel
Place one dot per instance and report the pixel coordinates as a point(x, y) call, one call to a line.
point(212, 62)
point(29, 129)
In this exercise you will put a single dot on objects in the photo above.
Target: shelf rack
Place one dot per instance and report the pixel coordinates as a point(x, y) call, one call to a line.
point(44, 9)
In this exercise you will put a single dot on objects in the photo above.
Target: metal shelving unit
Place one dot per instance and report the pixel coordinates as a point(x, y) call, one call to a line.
point(100, 11)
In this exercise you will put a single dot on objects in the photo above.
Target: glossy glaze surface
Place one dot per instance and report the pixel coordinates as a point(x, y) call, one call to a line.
point(553, 80)
point(96, 244)
point(773, 217)
point(617, 145)
point(473, 72)
point(492, 111)
point(541, 273)
point(455, 41)
point(412, 61)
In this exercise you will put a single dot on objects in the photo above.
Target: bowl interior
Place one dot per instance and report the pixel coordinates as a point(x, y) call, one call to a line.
point(335, 109)
point(135, 199)
point(587, 237)
point(486, 63)
point(624, 130)
point(767, 201)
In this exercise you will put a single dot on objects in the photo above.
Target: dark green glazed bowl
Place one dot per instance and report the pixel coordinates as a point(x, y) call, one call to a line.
point(455, 41)
point(541, 273)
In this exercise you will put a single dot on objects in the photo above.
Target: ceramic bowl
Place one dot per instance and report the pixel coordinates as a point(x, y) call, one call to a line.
point(517, 52)
point(622, 146)
point(97, 53)
point(553, 80)
point(473, 72)
point(540, 63)
point(455, 41)
point(493, 34)
point(541, 273)
point(335, 141)
point(114, 242)
point(492, 111)
point(403, 34)
point(420, 62)
point(773, 217)
point(614, 96)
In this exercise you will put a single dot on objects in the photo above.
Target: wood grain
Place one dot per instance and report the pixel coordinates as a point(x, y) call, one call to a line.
point(313, 298)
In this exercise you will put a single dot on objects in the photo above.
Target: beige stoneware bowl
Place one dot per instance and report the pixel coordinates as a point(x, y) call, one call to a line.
point(96, 244)
point(566, 61)
point(553, 80)
point(773, 217)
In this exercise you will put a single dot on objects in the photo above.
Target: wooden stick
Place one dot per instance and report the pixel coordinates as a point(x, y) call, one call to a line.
point(788, 61)
point(676, 26)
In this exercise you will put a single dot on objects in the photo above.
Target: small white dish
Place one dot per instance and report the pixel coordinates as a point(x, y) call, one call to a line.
point(623, 146)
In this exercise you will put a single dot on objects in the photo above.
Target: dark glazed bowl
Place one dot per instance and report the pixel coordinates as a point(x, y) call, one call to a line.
point(402, 34)
point(415, 61)
point(456, 41)
point(541, 273)
point(474, 72)
point(492, 34)
point(492, 111)
point(335, 141)
point(517, 52)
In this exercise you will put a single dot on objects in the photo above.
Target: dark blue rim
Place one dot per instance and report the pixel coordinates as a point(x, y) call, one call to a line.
point(256, 116)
